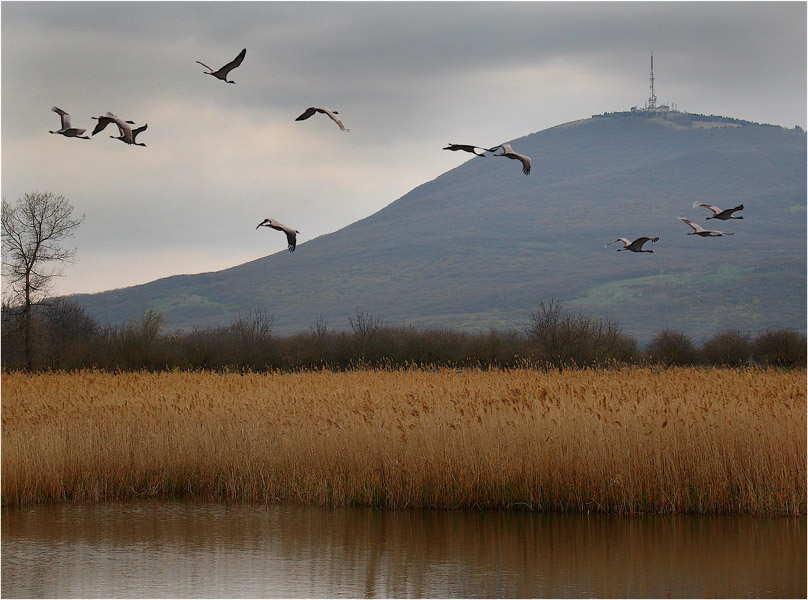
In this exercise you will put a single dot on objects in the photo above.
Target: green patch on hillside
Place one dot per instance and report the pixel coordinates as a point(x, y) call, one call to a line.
point(661, 287)
point(651, 287)
point(476, 321)
point(672, 121)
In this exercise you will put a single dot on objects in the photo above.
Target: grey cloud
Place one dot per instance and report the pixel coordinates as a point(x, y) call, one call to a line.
point(408, 77)
point(298, 47)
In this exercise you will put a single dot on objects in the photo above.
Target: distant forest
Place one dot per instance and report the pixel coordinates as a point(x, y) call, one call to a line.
point(64, 337)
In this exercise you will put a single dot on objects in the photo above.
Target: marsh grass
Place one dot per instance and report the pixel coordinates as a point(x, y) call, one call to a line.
point(622, 441)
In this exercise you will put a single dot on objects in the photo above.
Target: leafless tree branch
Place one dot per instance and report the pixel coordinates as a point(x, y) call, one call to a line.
point(32, 255)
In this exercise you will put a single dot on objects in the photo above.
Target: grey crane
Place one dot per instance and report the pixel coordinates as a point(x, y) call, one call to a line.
point(291, 234)
point(222, 73)
point(317, 109)
point(466, 148)
point(636, 245)
point(699, 230)
point(104, 121)
point(508, 152)
point(718, 213)
point(67, 129)
point(127, 134)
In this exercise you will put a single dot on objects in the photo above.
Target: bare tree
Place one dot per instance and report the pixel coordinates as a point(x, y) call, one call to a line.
point(252, 335)
point(255, 327)
point(366, 327)
point(562, 338)
point(33, 230)
point(320, 327)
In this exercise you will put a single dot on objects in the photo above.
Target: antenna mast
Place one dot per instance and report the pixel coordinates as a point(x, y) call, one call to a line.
point(652, 97)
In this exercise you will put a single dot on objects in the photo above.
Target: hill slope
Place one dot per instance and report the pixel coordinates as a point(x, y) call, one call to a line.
point(482, 245)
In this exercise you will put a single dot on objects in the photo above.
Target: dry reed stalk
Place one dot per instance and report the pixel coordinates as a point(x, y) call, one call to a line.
point(625, 441)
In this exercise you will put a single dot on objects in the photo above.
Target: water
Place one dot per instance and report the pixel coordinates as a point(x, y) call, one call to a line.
point(154, 549)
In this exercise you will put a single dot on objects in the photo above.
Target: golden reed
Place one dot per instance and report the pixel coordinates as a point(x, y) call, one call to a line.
point(622, 441)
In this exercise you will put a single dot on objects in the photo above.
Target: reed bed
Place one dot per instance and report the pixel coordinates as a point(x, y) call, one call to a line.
point(621, 441)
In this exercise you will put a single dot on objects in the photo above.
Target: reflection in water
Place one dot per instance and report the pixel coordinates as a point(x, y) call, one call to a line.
point(186, 550)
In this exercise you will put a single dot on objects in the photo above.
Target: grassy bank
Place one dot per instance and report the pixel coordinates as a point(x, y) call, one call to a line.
point(633, 440)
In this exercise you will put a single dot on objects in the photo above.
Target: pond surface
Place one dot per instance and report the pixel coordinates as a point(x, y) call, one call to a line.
point(180, 549)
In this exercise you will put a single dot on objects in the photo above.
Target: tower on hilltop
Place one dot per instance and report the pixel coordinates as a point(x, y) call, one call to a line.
point(651, 103)
point(652, 97)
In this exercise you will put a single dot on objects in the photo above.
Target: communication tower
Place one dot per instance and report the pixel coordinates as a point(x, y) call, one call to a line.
point(651, 104)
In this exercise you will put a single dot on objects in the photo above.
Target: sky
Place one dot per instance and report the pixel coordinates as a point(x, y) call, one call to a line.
point(406, 77)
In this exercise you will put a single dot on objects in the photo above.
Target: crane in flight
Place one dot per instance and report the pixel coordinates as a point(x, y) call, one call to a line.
point(699, 230)
point(67, 129)
point(636, 245)
point(291, 234)
point(127, 134)
point(466, 148)
point(718, 213)
point(222, 73)
point(508, 152)
point(104, 121)
point(317, 109)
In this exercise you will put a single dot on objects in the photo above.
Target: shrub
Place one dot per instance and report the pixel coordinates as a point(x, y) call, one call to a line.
point(670, 347)
point(728, 348)
point(780, 347)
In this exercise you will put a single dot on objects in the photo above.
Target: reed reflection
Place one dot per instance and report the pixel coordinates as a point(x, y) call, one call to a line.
point(182, 549)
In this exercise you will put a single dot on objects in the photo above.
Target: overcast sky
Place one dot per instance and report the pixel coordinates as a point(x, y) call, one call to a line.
point(406, 78)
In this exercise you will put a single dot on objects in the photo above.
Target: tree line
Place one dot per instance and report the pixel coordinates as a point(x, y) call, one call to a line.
point(60, 335)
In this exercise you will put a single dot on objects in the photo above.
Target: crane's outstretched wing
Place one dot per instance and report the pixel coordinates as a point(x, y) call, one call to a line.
point(697, 228)
point(638, 243)
point(63, 116)
point(309, 112)
point(233, 63)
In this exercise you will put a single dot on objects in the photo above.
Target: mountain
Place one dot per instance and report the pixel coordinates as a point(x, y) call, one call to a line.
point(482, 245)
